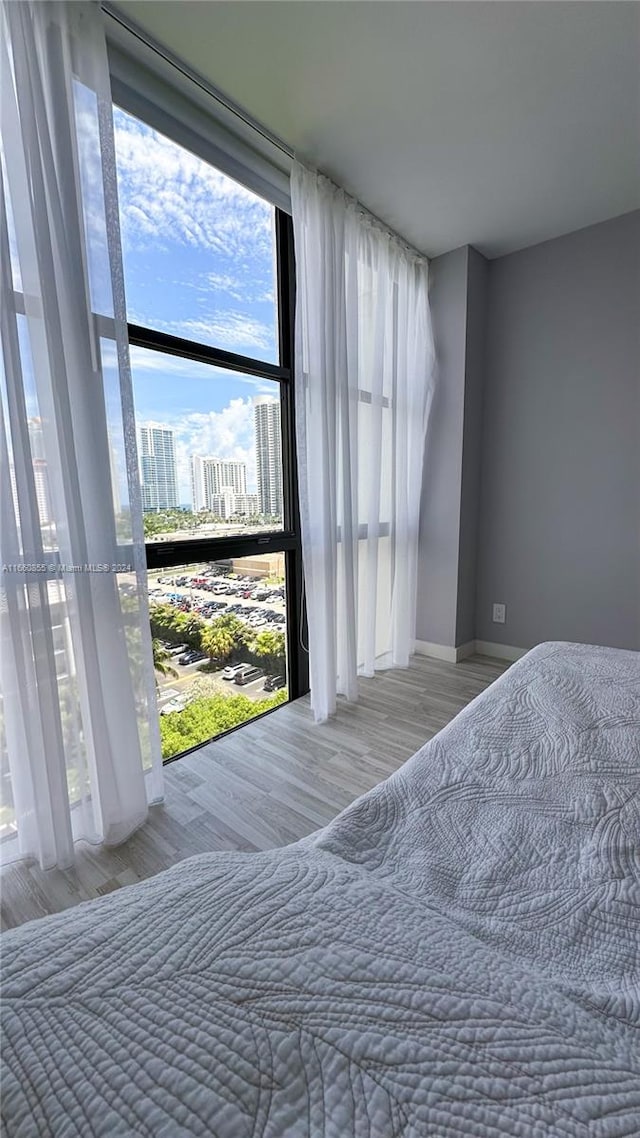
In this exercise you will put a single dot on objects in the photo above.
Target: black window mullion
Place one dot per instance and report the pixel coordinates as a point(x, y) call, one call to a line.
point(286, 295)
point(166, 554)
point(286, 269)
point(296, 608)
point(143, 337)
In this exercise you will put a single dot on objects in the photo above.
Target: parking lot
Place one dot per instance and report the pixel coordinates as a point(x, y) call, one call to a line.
point(239, 597)
point(211, 597)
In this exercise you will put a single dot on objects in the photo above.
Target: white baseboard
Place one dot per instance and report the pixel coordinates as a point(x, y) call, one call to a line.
point(499, 651)
point(436, 651)
point(472, 647)
point(445, 651)
point(464, 650)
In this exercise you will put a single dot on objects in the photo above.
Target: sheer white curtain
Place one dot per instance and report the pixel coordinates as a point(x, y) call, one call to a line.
point(79, 748)
point(364, 381)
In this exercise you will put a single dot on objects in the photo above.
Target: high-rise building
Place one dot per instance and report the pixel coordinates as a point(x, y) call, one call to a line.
point(223, 472)
point(40, 472)
point(246, 505)
point(211, 476)
point(158, 477)
point(198, 498)
point(266, 412)
point(223, 505)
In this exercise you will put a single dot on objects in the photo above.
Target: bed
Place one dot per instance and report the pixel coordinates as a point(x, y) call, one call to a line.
point(456, 955)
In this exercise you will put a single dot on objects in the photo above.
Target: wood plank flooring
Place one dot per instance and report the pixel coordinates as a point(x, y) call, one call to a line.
point(270, 783)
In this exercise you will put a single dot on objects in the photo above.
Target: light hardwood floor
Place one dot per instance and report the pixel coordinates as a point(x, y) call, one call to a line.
point(270, 783)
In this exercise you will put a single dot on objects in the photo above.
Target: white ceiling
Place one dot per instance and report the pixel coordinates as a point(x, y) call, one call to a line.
point(495, 124)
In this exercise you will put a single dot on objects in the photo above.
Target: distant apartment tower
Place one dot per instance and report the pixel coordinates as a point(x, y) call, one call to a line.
point(40, 472)
point(40, 475)
point(211, 476)
point(266, 411)
point(223, 505)
point(246, 505)
point(158, 476)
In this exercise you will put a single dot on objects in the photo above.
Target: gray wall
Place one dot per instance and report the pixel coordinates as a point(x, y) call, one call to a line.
point(559, 533)
point(477, 297)
point(440, 515)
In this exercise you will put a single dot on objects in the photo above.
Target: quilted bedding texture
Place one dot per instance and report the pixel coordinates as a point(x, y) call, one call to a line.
point(457, 954)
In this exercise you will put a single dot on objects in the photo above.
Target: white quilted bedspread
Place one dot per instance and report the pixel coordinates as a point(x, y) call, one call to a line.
point(457, 954)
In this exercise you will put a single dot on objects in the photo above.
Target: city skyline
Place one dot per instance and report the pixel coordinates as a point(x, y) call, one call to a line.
point(210, 411)
point(199, 262)
point(217, 484)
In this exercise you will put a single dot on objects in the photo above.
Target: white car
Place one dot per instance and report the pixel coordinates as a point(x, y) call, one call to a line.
point(232, 670)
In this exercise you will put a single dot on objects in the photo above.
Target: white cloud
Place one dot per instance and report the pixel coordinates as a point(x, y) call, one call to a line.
point(177, 367)
point(169, 194)
point(222, 434)
point(229, 330)
point(227, 283)
point(169, 198)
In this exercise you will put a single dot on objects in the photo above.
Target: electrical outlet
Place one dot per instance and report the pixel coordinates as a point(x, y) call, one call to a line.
point(499, 614)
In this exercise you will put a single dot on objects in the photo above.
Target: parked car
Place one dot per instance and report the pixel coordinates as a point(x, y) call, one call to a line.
point(176, 649)
point(191, 656)
point(231, 670)
point(247, 673)
point(274, 683)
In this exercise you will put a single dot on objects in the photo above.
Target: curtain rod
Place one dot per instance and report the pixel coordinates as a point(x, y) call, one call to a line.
point(113, 12)
point(165, 53)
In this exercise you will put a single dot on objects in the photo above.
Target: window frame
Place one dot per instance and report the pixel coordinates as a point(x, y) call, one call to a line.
point(176, 553)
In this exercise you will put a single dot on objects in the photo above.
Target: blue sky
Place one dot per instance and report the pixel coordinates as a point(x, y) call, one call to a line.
point(198, 253)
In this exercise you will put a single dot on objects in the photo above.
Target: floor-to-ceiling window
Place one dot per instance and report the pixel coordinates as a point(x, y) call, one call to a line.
point(209, 278)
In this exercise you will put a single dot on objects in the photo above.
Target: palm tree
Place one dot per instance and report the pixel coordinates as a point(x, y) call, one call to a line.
point(271, 646)
point(160, 660)
point(235, 627)
point(217, 641)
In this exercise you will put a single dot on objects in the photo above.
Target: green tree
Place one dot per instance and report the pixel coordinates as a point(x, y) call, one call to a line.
point(167, 521)
point(169, 623)
point(270, 646)
point(237, 628)
point(217, 641)
point(206, 717)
